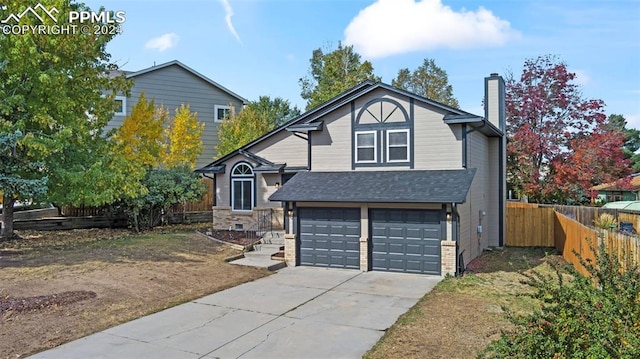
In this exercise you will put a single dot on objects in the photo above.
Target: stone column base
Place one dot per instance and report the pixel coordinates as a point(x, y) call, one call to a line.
point(364, 254)
point(290, 249)
point(448, 257)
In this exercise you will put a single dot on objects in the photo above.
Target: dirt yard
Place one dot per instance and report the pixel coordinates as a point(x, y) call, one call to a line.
point(59, 286)
point(469, 309)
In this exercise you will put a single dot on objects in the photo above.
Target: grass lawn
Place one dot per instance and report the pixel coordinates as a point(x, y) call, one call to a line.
point(462, 315)
point(59, 286)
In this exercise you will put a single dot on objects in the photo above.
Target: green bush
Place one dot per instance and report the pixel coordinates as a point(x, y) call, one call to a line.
point(580, 317)
point(165, 189)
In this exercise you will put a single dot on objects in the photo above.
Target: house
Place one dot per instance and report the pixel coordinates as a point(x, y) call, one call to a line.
point(375, 179)
point(624, 189)
point(172, 84)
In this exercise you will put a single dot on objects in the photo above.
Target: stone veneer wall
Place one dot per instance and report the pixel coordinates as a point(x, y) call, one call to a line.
point(448, 257)
point(225, 218)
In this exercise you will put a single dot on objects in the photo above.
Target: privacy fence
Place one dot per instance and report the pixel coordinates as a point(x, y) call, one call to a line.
point(533, 225)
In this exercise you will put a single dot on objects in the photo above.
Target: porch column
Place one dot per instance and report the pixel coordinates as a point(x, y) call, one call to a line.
point(364, 238)
point(448, 247)
point(290, 242)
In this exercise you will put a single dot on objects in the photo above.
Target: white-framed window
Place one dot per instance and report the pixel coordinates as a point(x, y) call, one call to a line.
point(220, 112)
point(242, 184)
point(120, 105)
point(398, 145)
point(366, 146)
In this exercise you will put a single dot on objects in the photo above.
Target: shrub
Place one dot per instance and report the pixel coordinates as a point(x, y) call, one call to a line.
point(605, 221)
point(582, 317)
point(165, 189)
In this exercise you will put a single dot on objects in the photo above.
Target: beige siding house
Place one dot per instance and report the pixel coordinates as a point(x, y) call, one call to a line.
point(375, 179)
point(172, 84)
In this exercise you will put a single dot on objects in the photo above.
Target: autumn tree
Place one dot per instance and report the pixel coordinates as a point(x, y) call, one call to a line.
point(236, 130)
point(183, 139)
point(141, 134)
point(256, 119)
point(331, 73)
point(55, 99)
point(559, 144)
point(427, 80)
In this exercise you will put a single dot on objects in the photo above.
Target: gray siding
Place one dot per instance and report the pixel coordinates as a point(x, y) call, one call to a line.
point(172, 86)
point(483, 196)
point(436, 144)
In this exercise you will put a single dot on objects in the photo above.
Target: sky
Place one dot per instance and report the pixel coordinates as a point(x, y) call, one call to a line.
point(263, 47)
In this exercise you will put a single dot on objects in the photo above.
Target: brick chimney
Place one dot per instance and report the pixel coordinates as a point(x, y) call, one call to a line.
point(494, 108)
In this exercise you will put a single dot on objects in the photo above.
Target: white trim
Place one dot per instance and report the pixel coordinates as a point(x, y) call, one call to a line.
point(124, 106)
point(215, 112)
point(388, 145)
point(242, 178)
point(375, 146)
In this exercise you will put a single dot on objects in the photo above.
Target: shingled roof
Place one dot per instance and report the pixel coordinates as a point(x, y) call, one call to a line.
point(436, 186)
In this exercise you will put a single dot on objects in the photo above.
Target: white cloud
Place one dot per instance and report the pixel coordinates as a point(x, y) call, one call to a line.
point(228, 14)
point(581, 77)
point(390, 27)
point(163, 42)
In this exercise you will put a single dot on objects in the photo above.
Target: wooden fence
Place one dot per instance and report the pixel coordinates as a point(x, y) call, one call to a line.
point(532, 225)
point(204, 205)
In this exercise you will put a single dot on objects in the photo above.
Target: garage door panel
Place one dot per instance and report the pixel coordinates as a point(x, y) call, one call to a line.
point(330, 237)
point(406, 240)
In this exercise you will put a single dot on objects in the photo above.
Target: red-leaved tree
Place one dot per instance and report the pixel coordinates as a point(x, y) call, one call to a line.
point(559, 144)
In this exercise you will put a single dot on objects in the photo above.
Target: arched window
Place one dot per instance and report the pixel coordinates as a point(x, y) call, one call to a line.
point(242, 184)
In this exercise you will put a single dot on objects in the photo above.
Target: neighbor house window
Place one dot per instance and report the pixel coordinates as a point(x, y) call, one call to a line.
point(220, 112)
point(242, 184)
point(366, 147)
point(397, 145)
point(121, 106)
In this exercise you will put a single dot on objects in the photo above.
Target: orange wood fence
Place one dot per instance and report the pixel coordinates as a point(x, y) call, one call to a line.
point(531, 225)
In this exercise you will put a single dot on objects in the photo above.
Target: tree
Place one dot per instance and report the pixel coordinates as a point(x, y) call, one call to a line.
point(277, 111)
point(557, 141)
point(140, 136)
point(183, 139)
point(333, 73)
point(54, 92)
point(165, 188)
point(238, 130)
point(19, 179)
point(631, 140)
point(427, 80)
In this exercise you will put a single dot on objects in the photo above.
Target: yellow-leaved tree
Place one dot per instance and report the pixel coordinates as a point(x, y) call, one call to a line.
point(239, 129)
point(183, 139)
point(141, 135)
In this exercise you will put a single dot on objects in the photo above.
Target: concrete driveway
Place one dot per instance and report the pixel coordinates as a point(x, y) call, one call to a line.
point(299, 312)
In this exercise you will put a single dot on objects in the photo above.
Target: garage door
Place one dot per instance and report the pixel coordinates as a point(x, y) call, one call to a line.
point(406, 240)
point(330, 237)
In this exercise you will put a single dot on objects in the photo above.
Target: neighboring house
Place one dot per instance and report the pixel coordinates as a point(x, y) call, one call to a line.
point(375, 179)
point(624, 189)
point(172, 84)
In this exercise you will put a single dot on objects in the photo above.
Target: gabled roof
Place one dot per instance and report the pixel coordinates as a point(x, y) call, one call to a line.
point(414, 186)
point(310, 118)
point(187, 68)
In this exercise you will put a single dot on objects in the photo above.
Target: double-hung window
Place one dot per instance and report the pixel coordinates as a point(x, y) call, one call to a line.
point(366, 148)
point(397, 145)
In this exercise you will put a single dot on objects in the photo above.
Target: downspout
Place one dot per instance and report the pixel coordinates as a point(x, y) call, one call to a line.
point(456, 237)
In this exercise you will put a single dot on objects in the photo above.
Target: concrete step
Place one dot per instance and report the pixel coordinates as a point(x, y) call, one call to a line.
point(264, 250)
point(260, 262)
point(273, 237)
